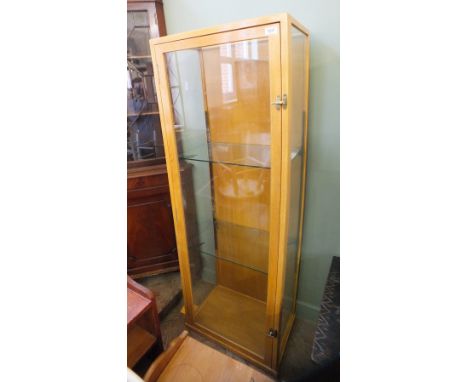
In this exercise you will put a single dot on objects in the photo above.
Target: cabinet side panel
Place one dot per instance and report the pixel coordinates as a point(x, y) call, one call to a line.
point(296, 158)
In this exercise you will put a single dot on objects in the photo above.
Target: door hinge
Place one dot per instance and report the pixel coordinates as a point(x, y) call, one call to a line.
point(280, 101)
point(273, 333)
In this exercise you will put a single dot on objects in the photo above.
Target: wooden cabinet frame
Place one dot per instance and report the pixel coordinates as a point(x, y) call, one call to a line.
point(280, 83)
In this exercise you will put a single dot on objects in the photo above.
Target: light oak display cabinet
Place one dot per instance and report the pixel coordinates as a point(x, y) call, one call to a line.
point(233, 102)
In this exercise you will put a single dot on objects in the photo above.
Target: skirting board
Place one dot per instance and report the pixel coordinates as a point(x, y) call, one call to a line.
point(307, 311)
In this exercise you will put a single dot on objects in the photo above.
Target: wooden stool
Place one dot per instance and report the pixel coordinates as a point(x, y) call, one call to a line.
point(143, 329)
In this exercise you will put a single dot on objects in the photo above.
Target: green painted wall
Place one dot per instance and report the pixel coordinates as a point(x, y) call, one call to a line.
point(322, 215)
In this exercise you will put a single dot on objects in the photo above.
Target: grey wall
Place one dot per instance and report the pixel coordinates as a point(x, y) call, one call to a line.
point(322, 214)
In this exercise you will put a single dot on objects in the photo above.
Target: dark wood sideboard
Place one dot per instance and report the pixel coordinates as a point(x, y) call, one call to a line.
point(151, 244)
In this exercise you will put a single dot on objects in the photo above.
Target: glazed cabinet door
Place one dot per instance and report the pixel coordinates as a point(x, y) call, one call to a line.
point(144, 140)
point(217, 94)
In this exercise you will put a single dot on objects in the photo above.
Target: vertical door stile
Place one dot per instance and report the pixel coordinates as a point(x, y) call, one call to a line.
point(285, 174)
point(170, 146)
point(275, 112)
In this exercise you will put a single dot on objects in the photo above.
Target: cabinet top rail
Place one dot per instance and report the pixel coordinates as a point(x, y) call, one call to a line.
point(247, 23)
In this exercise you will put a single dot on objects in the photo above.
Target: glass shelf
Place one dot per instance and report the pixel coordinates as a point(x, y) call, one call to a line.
point(233, 261)
point(246, 246)
point(237, 244)
point(249, 155)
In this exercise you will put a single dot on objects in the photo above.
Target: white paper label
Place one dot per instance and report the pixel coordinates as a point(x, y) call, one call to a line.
point(271, 30)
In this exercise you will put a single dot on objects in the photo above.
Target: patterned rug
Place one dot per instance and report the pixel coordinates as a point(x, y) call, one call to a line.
point(326, 346)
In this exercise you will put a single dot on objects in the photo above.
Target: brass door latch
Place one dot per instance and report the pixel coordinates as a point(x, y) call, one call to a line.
point(280, 101)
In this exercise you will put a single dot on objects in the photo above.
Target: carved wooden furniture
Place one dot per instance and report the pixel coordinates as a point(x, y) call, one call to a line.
point(234, 104)
point(151, 245)
point(143, 329)
point(187, 359)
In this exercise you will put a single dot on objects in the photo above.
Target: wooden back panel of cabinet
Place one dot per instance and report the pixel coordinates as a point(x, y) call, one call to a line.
point(241, 210)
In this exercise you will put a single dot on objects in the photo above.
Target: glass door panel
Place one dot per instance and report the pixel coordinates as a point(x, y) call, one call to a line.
point(221, 110)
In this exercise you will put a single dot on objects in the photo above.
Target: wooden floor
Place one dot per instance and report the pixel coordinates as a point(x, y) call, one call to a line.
point(196, 362)
point(235, 316)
